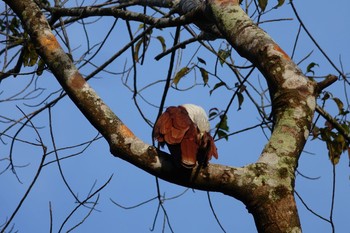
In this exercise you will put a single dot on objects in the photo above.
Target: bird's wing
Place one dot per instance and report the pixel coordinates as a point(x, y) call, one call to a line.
point(189, 147)
point(172, 125)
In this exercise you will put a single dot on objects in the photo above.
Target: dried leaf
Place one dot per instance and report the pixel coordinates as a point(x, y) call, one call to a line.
point(180, 74)
point(30, 56)
point(315, 132)
point(162, 41)
point(137, 49)
point(339, 104)
point(336, 144)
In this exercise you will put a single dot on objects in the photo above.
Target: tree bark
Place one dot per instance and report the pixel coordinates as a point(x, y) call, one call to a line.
point(266, 187)
point(293, 99)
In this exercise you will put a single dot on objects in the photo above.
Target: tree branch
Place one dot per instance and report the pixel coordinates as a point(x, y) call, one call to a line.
point(294, 100)
point(266, 187)
point(123, 143)
point(84, 12)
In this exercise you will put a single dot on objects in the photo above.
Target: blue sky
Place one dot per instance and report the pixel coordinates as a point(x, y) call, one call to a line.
point(129, 186)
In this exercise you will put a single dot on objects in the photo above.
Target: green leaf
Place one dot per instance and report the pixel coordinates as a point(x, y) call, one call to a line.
point(217, 86)
point(222, 134)
point(14, 26)
point(205, 75)
point(201, 60)
point(162, 41)
point(142, 26)
point(223, 123)
point(240, 100)
point(180, 74)
point(309, 68)
point(223, 54)
point(139, 28)
point(280, 3)
point(262, 4)
point(213, 112)
point(222, 127)
point(41, 66)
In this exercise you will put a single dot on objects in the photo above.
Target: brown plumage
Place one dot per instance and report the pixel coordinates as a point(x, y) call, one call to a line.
point(186, 142)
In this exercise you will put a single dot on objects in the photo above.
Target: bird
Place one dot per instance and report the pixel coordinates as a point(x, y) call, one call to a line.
point(185, 131)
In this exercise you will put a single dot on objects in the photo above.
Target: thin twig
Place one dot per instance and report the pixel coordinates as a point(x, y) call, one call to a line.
point(51, 217)
point(84, 201)
point(309, 209)
point(316, 44)
point(213, 211)
point(232, 98)
point(34, 179)
point(170, 71)
point(333, 198)
point(57, 158)
point(134, 206)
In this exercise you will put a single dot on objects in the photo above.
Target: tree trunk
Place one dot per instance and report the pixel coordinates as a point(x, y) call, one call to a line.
point(266, 187)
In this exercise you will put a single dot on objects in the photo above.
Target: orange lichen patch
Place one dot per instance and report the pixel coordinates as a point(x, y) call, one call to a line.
point(278, 48)
point(49, 41)
point(77, 81)
point(125, 132)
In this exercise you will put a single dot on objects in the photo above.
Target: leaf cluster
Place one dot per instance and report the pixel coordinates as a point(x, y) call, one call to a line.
point(336, 142)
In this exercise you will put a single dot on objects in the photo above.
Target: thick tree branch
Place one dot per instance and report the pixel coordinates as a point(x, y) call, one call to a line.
point(294, 102)
point(196, 13)
point(266, 187)
point(123, 143)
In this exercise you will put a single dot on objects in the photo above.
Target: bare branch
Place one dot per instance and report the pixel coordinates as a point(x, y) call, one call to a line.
point(83, 12)
point(315, 42)
point(33, 181)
